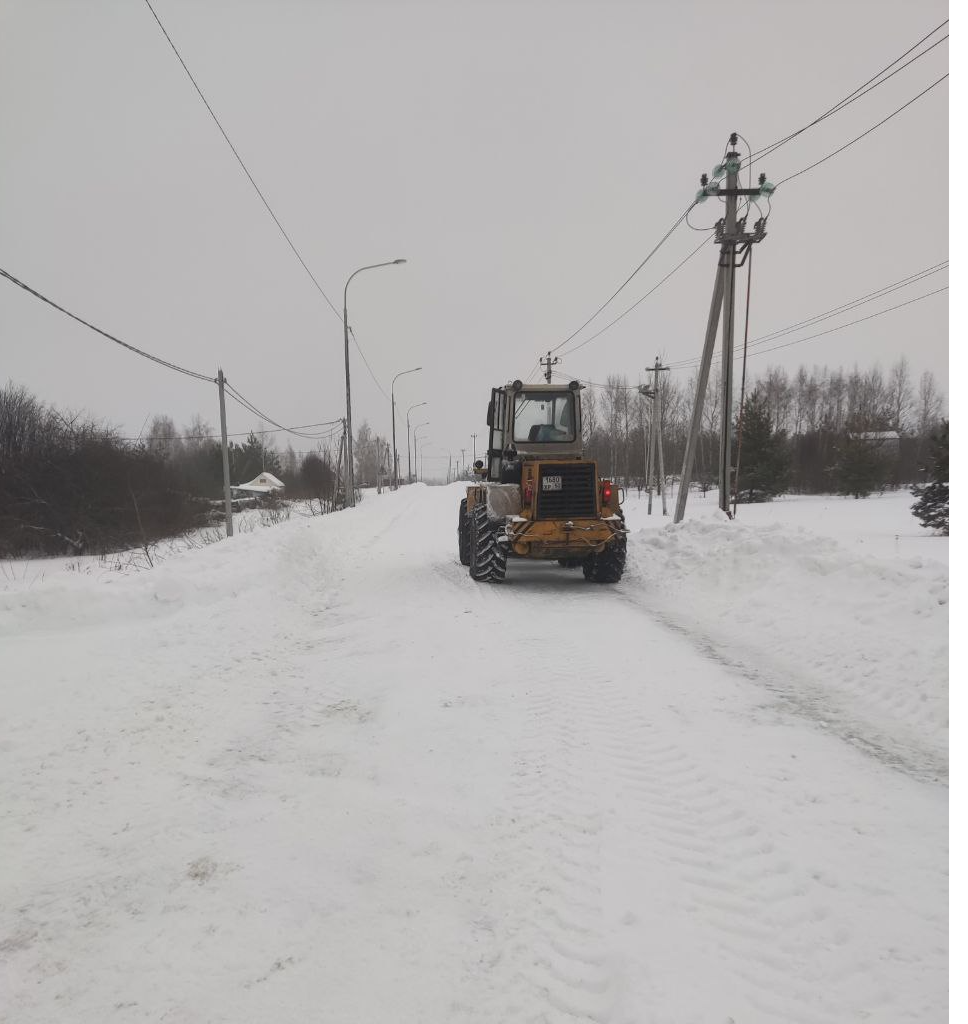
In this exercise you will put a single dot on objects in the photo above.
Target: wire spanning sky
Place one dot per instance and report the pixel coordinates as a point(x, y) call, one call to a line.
point(523, 157)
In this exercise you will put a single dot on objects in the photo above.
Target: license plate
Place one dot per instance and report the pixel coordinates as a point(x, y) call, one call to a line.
point(551, 483)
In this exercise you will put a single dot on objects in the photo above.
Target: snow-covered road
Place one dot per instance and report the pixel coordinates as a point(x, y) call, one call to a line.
point(318, 774)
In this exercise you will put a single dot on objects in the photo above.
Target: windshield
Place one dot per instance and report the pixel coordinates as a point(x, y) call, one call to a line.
point(544, 416)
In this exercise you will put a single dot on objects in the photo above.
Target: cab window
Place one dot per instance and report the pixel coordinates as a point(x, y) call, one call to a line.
point(544, 416)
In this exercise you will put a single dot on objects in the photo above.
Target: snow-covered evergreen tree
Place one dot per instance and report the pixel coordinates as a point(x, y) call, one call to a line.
point(932, 504)
point(764, 465)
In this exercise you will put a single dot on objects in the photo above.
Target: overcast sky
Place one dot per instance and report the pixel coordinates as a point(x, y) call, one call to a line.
point(523, 157)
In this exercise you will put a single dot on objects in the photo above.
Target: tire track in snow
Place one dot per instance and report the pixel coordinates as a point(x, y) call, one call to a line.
point(799, 696)
point(555, 932)
point(594, 772)
point(803, 701)
point(766, 931)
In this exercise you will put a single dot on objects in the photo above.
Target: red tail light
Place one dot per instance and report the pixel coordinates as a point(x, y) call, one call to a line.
point(606, 491)
point(528, 492)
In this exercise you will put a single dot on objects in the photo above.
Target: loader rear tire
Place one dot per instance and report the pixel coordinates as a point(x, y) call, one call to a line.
point(608, 566)
point(488, 558)
point(464, 534)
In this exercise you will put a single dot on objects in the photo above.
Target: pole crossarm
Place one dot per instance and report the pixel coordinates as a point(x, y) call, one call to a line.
point(740, 236)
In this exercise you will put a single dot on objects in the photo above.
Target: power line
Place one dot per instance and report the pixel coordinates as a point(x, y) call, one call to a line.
point(622, 315)
point(854, 304)
point(831, 330)
point(246, 404)
point(658, 246)
point(861, 90)
point(534, 370)
point(215, 437)
point(845, 307)
point(265, 202)
point(235, 152)
point(367, 365)
point(105, 334)
point(595, 384)
point(691, 362)
point(846, 145)
point(675, 269)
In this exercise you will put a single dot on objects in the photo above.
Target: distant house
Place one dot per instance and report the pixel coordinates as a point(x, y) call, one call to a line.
point(888, 440)
point(264, 483)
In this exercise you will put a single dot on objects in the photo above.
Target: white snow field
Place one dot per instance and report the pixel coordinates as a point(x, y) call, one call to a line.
point(316, 773)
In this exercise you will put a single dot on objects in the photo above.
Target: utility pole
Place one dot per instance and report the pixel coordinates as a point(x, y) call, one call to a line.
point(734, 241)
point(463, 462)
point(654, 457)
point(661, 445)
point(339, 469)
point(657, 432)
point(226, 479)
point(653, 445)
point(646, 392)
point(547, 364)
point(729, 322)
point(474, 439)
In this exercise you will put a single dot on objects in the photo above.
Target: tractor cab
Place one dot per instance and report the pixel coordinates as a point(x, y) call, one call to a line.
point(530, 422)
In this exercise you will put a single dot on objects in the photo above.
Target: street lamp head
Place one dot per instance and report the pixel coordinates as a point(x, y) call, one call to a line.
point(399, 261)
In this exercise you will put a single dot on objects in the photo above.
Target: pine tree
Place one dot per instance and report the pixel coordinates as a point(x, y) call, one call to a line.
point(860, 467)
point(250, 459)
point(764, 460)
point(932, 504)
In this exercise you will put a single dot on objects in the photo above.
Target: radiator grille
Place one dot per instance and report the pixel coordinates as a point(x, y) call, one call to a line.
point(576, 499)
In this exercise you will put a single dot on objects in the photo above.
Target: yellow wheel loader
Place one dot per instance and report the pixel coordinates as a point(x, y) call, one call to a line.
point(537, 496)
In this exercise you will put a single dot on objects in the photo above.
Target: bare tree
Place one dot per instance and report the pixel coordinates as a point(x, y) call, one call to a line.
point(900, 396)
point(162, 438)
point(930, 405)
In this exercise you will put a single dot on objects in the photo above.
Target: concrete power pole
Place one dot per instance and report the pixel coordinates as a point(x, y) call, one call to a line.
point(646, 392)
point(734, 241)
point(654, 447)
point(657, 434)
point(226, 479)
point(338, 480)
point(547, 364)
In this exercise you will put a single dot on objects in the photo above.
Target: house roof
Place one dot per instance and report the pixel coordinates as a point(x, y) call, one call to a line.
point(262, 484)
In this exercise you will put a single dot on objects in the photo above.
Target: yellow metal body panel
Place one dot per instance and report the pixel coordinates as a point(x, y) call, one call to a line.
point(556, 538)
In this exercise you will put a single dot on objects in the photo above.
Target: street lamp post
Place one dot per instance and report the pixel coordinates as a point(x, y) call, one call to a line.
point(426, 423)
point(393, 413)
point(350, 481)
point(424, 445)
point(410, 410)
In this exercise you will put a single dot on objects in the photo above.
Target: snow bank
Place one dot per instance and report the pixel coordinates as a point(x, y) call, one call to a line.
point(854, 639)
point(46, 596)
